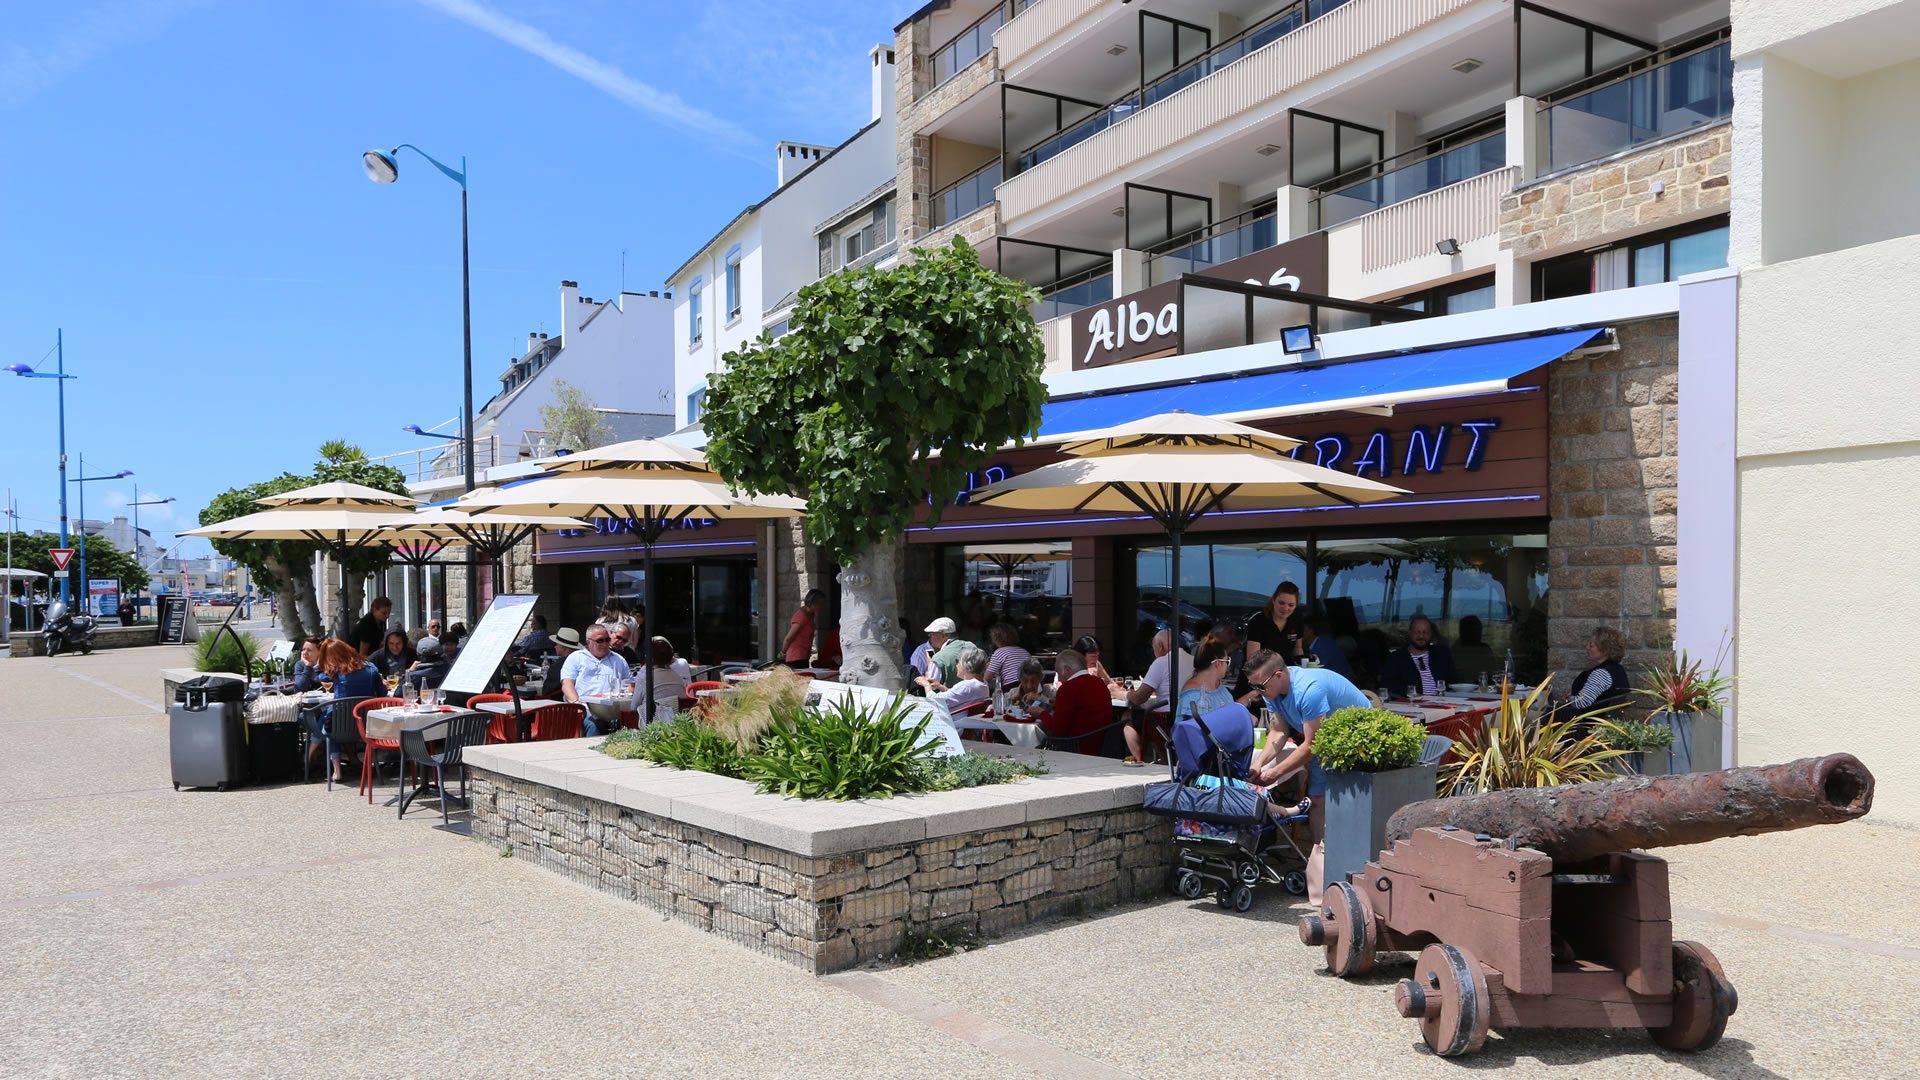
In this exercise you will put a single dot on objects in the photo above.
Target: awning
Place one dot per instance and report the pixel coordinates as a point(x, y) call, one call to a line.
point(1450, 371)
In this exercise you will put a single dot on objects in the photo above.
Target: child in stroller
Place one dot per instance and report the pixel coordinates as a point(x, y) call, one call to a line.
point(1230, 835)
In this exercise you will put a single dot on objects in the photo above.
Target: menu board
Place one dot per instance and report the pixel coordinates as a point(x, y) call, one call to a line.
point(481, 653)
point(173, 620)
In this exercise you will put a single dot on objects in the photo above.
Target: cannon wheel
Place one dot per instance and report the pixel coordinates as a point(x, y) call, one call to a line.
point(1351, 938)
point(1702, 1000)
point(1459, 1024)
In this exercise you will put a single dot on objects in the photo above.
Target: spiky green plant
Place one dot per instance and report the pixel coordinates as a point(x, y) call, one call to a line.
point(1516, 748)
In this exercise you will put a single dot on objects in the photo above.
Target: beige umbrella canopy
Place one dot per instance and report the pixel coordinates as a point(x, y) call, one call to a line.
point(338, 494)
point(635, 480)
point(419, 536)
point(1175, 468)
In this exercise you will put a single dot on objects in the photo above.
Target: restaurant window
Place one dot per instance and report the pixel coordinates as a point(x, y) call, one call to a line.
point(733, 283)
point(1028, 584)
point(707, 607)
point(693, 311)
point(1642, 260)
point(1473, 294)
point(1219, 582)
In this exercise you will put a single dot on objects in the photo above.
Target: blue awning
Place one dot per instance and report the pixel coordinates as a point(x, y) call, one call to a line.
point(1418, 376)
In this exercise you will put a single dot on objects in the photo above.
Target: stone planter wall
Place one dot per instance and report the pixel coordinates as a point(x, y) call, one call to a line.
point(829, 912)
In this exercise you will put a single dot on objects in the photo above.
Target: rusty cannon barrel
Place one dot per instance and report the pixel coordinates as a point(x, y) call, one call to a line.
point(1584, 821)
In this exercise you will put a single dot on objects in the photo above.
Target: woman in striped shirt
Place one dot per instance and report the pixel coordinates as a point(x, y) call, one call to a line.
point(1605, 683)
point(1003, 670)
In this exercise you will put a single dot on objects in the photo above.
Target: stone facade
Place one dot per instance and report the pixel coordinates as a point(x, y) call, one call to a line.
point(1613, 447)
point(828, 914)
point(979, 227)
point(1613, 197)
point(919, 103)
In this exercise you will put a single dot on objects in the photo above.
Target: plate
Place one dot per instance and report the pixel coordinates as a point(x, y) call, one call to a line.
point(1462, 687)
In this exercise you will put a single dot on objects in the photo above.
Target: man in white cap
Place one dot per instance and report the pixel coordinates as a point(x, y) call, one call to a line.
point(943, 659)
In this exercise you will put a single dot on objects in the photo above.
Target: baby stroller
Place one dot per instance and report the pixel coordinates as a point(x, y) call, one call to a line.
point(1225, 836)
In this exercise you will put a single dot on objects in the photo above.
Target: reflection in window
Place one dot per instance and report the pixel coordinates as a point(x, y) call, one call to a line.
point(1218, 582)
point(1028, 584)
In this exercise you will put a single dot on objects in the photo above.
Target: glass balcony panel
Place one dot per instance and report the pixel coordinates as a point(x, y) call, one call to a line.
point(1256, 235)
point(1684, 93)
point(1067, 300)
point(1483, 155)
point(967, 195)
point(1278, 26)
point(971, 44)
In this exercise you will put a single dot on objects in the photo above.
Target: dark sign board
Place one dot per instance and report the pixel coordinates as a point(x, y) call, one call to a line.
point(1147, 322)
point(173, 620)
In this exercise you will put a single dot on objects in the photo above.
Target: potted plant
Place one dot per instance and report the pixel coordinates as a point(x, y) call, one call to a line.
point(1526, 745)
point(1372, 758)
point(1687, 696)
point(1646, 745)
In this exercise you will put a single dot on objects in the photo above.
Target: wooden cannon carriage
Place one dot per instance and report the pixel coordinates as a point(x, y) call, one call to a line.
point(1529, 908)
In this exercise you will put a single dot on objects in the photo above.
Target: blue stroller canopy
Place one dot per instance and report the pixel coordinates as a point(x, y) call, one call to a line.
point(1232, 729)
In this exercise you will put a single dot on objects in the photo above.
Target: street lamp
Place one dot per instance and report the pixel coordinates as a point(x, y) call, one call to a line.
point(26, 371)
point(137, 503)
point(86, 600)
point(382, 168)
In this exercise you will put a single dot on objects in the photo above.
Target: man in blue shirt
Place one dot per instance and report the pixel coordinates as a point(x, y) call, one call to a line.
point(1299, 698)
point(593, 671)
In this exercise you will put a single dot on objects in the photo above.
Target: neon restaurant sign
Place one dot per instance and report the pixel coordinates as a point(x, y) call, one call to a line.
point(1424, 449)
point(611, 526)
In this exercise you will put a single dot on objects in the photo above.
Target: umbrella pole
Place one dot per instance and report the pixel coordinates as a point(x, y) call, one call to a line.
point(644, 647)
point(1173, 620)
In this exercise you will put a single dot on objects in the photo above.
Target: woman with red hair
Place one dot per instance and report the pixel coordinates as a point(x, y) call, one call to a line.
point(353, 677)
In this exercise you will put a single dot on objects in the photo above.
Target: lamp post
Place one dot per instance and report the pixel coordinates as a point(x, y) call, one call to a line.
point(26, 371)
point(86, 599)
point(383, 169)
point(137, 503)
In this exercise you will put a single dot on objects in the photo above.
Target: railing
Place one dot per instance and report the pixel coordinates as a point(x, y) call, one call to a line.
point(444, 460)
point(1681, 93)
point(1247, 41)
point(1222, 241)
point(1398, 179)
point(1268, 30)
point(965, 195)
point(972, 43)
point(1068, 295)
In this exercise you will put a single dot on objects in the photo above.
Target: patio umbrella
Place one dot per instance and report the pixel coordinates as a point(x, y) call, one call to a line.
point(1175, 468)
point(1007, 557)
point(419, 536)
point(339, 516)
point(642, 483)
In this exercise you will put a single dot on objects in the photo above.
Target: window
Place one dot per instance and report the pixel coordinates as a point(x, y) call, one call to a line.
point(693, 311)
point(1642, 260)
point(872, 235)
point(1473, 294)
point(696, 404)
point(733, 283)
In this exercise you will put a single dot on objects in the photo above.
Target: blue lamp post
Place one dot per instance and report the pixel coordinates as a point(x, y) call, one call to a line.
point(383, 169)
point(86, 598)
point(26, 371)
point(137, 503)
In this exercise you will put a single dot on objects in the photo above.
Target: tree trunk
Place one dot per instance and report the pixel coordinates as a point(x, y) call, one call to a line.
point(284, 592)
point(870, 619)
point(306, 602)
point(355, 599)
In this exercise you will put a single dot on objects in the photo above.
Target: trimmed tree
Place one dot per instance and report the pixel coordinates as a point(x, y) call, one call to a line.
point(891, 386)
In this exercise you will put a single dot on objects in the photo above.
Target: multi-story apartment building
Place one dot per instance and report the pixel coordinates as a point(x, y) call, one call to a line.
point(1818, 440)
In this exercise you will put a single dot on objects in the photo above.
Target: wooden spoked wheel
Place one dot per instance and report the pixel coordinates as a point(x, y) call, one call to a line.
point(1702, 1000)
point(1351, 938)
point(1448, 994)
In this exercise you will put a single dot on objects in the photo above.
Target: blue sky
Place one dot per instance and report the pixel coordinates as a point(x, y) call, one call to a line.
point(183, 195)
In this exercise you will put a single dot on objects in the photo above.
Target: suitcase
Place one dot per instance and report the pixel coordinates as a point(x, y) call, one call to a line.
point(273, 752)
point(207, 733)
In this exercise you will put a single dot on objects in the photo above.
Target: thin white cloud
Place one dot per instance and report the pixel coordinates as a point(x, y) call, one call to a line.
point(27, 69)
point(806, 64)
point(724, 134)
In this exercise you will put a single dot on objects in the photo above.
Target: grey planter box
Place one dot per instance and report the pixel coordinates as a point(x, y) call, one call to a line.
point(1358, 806)
point(1696, 740)
point(1647, 763)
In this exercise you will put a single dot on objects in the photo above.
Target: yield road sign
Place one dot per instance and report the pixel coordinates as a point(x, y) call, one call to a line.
point(60, 557)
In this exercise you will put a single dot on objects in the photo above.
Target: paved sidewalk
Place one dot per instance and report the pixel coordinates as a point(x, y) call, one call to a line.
point(292, 931)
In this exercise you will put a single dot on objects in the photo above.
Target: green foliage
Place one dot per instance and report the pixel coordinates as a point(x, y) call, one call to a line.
point(342, 462)
point(882, 369)
point(1516, 749)
point(745, 715)
point(682, 743)
point(217, 652)
point(103, 559)
point(339, 461)
point(1356, 739)
point(967, 770)
point(572, 422)
point(1677, 684)
point(840, 751)
point(1636, 736)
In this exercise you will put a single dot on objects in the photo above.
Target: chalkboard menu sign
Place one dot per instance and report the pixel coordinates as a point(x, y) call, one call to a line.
point(173, 620)
point(481, 653)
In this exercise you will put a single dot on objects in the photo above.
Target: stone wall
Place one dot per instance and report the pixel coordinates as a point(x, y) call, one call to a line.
point(1613, 448)
point(1614, 197)
point(828, 914)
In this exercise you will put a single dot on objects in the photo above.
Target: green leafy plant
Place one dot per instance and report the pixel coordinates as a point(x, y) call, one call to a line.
point(843, 750)
point(681, 743)
point(1357, 739)
point(219, 653)
point(968, 770)
point(1636, 736)
point(1515, 749)
point(572, 421)
point(1678, 684)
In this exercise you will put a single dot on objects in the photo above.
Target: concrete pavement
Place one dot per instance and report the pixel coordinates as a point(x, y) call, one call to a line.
point(290, 930)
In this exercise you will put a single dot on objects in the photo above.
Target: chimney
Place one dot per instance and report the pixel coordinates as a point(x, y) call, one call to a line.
point(533, 342)
point(795, 158)
point(569, 300)
point(880, 60)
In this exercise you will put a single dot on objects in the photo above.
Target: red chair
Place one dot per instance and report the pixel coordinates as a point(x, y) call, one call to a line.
point(360, 712)
point(561, 721)
point(500, 726)
point(629, 719)
point(978, 708)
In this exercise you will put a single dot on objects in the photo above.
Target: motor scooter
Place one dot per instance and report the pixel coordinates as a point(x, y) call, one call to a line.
point(63, 630)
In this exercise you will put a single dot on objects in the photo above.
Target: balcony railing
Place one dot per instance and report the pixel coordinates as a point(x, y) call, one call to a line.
point(1248, 41)
point(1680, 93)
point(1405, 176)
point(965, 195)
point(972, 43)
point(1069, 295)
point(443, 461)
point(1222, 241)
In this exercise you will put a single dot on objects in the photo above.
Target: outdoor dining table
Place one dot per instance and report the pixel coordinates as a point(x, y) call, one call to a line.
point(607, 707)
point(389, 723)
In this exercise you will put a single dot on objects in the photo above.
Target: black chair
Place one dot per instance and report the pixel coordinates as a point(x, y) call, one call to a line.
point(454, 734)
point(1070, 744)
point(330, 721)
